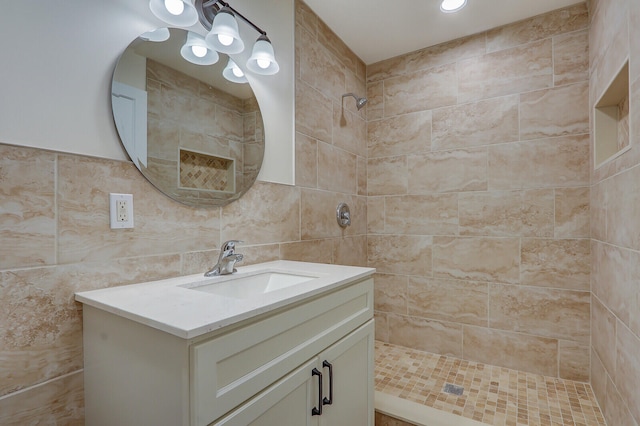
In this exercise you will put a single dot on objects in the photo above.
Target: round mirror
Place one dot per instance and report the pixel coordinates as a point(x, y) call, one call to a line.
point(195, 135)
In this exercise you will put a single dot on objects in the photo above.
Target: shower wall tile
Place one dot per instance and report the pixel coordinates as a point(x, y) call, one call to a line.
point(572, 212)
point(27, 207)
point(616, 411)
point(485, 122)
point(477, 258)
point(362, 175)
point(507, 213)
point(622, 204)
point(375, 215)
point(537, 28)
point(559, 162)
point(405, 93)
point(314, 112)
point(627, 373)
point(555, 112)
point(561, 314)
point(337, 169)
point(400, 135)
point(306, 161)
point(306, 18)
point(319, 68)
point(350, 250)
point(427, 335)
point(556, 263)
point(318, 210)
point(519, 69)
point(375, 106)
point(349, 129)
point(400, 254)
point(336, 46)
point(435, 214)
point(430, 57)
point(318, 251)
point(512, 350)
point(381, 325)
point(390, 293)
point(603, 334)
point(448, 300)
point(573, 361)
point(598, 378)
point(388, 175)
point(448, 171)
point(571, 57)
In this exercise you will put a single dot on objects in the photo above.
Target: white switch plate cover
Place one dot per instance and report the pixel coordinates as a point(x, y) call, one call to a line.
point(121, 210)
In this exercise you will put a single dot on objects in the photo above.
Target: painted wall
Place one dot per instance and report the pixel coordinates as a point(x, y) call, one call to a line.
point(55, 237)
point(614, 37)
point(478, 207)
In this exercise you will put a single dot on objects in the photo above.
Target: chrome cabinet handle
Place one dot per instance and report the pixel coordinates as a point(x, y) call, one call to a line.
point(317, 411)
point(328, 401)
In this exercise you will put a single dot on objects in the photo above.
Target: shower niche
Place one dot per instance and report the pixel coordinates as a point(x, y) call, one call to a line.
point(611, 119)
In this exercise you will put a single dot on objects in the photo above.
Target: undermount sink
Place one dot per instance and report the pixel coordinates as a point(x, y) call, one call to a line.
point(244, 287)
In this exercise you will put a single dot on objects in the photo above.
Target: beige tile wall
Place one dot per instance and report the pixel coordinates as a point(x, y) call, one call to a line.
point(478, 184)
point(55, 237)
point(614, 37)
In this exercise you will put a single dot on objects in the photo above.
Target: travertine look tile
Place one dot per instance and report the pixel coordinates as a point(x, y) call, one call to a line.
point(58, 402)
point(387, 176)
point(623, 203)
point(479, 123)
point(433, 56)
point(84, 185)
point(337, 169)
point(426, 335)
point(448, 171)
point(573, 360)
point(419, 91)
point(556, 263)
point(314, 112)
point(598, 211)
point(518, 351)
point(337, 47)
point(267, 213)
point(519, 69)
point(555, 112)
point(616, 411)
point(571, 57)
point(375, 106)
point(539, 27)
point(350, 250)
point(382, 326)
point(477, 258)
point(603, 334)
point(306, 161)
point(507, 213)
point(349, 130)
point(400, 135)
point(375, 215)
point(305, 17)
point(362, 175)
point(384, 420)
point(598, 376)
point(390, 293)
point(435, 214)
point(27, 207)
point(400, 254)
point(319, 68)
point(563, 314)
point(572, 212)
point(449, 300)
point(319, 214)
point(627, 375)
point(558, 162)
point(615, 275)
point(318, 251)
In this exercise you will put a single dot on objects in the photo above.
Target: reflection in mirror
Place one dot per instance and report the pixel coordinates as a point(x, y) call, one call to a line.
point(196, 136)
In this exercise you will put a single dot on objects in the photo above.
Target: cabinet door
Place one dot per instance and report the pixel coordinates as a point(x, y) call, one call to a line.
point(286, 403)
point(351, 363)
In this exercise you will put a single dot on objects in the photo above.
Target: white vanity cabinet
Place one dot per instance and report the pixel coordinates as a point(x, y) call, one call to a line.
point(258, 371)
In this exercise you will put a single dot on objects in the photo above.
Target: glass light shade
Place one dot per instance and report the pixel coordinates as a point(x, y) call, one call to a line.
point(224, 36)
point(196, 40)
point(158, 35)
point(188, 17)
point(263, 59)
point(450, 6)
point(231, 72)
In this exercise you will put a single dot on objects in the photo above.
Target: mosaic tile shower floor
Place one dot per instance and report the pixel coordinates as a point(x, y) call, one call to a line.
point(493, 395)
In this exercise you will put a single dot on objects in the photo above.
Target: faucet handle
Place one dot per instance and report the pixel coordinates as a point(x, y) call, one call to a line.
point(230, 245)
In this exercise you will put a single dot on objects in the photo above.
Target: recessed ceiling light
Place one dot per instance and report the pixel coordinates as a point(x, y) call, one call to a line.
point(450, 6)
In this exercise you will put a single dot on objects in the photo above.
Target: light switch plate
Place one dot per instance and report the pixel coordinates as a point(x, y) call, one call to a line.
point(121, 211)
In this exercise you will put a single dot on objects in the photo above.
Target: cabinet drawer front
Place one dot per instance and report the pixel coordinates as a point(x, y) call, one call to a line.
point(228, 370)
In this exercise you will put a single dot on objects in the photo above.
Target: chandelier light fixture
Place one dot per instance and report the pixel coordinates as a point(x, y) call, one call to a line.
point(219, 19)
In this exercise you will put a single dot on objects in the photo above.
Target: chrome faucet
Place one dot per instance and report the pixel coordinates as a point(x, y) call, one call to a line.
point(226, 261)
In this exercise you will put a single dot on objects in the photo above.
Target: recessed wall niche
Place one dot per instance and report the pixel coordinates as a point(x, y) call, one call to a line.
point(611, 118)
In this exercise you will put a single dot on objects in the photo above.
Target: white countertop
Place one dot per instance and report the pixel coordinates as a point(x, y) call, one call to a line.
point(169, 305)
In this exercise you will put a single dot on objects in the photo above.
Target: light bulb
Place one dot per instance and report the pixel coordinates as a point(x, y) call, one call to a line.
point(225, 40)
point(263, 63)
point(175, 7)
point(237, 72)
point(199, 51)
point(448, 6)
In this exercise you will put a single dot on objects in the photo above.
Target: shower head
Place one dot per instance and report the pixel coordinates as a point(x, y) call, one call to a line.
point(360, 102)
